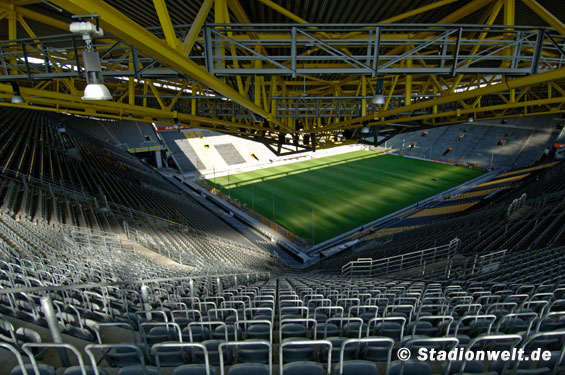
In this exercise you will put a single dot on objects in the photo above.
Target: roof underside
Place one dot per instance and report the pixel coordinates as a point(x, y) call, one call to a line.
point(261, 99)
point(183, 12)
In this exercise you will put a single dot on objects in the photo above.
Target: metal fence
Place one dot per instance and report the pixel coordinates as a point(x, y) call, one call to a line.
point(372, 267)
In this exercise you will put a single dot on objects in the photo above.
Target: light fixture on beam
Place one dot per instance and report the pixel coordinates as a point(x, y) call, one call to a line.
point(16, 97)
point(379, 97)
point(471, 119)
point(176, 123)
point(95, 88)
point(365, 129)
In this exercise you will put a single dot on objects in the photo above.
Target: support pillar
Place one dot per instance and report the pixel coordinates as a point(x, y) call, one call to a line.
point(158, 160)
point(49, 312)
point(145, 300)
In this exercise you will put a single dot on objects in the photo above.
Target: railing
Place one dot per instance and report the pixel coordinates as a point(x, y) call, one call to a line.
point(480, 264)
point(488, 262)
point(371, 267)
point(108, 240)
point(516, 204)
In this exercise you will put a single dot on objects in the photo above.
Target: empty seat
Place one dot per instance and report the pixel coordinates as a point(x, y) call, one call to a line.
point(194, 369)
point(359, 367)
point(299, 366)
point(249, 369)
point(303, 368)
point(409, 367)
point(26, 369)
point(254, 347)
point(139, 368)
point(43, 369)
point(363, 367)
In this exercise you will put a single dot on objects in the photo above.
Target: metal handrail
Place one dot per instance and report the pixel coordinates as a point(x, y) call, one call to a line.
point(403, 261)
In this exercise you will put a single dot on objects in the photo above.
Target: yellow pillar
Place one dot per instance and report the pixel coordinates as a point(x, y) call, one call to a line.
point(12, 33)
point(193, 100)
point(509, 12)
point(131, 83)
point(408, 85)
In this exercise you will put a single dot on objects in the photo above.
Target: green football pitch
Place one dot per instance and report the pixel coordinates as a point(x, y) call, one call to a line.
point(322, 198)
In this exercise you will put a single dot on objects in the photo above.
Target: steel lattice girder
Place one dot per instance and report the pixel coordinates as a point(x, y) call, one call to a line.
point(319, 49)
point(130, 32)
point(444, 51)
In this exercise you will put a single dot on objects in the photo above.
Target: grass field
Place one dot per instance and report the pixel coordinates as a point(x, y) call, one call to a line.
point(342, 192)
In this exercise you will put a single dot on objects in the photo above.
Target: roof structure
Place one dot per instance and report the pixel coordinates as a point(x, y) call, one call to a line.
point(304, 72)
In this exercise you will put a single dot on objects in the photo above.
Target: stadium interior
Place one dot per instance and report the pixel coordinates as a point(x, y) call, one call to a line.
point(256, 187)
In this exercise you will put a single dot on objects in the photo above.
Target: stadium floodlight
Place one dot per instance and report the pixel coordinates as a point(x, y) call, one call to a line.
point(471, 119)
point(96, 91)
point(16, 97)
point(95, 88)
point(379, 97)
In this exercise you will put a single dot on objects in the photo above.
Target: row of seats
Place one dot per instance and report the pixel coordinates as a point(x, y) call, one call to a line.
point(314, 331)
point(71, 180)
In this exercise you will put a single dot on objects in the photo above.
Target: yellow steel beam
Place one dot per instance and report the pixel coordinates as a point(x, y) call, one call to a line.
point(453, 17)
point(494, 11)
point(241, 17)
point(12, 34)
point(61, 102)
point(238, 11)
point(464, 11)
point(166, 23)
point(196, 26)
point(458, 116)
point(124, 28)
point(226, 19)
point(491, 109)
point(37, 16)
point(504, 86)
point(391, 91)
point(176, 98)
point(12, 25)
point(273, 92)
point(156, 94)
point(413, 12)
point(546, 15)
point(285, 12)
point(408, 85)
point(509, 12)
point(31, 33)
point(195, 90)
point(405, 15)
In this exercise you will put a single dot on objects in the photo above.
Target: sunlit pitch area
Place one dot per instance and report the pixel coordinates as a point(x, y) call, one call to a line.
point(321, 198)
